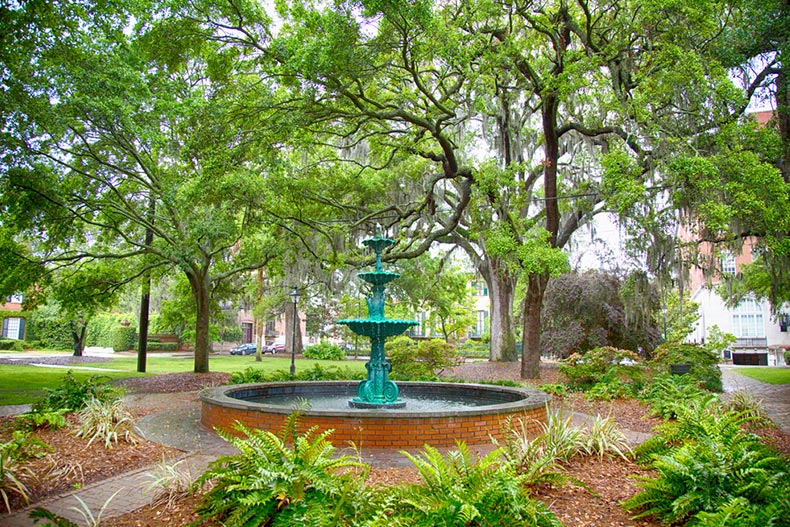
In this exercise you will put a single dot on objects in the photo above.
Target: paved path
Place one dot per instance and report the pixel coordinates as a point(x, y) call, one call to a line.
point(775, 397)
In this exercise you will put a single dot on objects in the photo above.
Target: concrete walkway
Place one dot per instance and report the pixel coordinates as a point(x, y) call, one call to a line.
point(775, 397)
point(179, 427)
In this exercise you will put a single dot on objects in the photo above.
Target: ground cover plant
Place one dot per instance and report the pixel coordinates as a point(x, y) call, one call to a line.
point(706, 463)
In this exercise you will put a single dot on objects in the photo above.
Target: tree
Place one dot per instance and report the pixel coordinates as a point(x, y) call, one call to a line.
point(101, 120)
point(587, 310)
point(437, 286)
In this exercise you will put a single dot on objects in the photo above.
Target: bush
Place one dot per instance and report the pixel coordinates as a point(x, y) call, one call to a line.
point(604, 364)
point(283, 480)
point(425, 360)
point(124, 338)
point(324, 351)
point(667, 393)
point(316, 373)
point(787, 357)
point(21, 447)
point(706, 463)
point(462, 490)
point(11, 345)
point(100, 328)
point(161, 346)
point(73, 395)
point(704, 363)
point(106, 421)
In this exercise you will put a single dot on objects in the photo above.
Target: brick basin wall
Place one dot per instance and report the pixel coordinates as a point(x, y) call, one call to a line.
point(389, 429)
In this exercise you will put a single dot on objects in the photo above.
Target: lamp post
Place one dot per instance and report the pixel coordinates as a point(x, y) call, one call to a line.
point(294, 294)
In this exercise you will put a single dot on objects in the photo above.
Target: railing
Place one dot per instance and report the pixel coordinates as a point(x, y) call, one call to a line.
point(751, 342)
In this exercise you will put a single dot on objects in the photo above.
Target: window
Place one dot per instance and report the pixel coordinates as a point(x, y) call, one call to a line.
point(747, 319)
point(480, 288)
point(727, 263)
point(14, 328)
point(482, 323)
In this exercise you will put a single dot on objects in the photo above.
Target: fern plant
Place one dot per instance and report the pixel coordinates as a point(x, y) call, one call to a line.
point(709, 462)
point(460, 489)
point(271, 482)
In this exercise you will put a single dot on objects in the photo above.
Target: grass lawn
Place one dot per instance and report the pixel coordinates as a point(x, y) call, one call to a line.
point(769, 375)
point(25, 384)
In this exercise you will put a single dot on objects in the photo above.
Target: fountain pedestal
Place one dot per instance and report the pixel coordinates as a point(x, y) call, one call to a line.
point(377, 391)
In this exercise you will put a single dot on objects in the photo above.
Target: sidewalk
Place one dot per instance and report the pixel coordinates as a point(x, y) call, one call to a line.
point(775, 397)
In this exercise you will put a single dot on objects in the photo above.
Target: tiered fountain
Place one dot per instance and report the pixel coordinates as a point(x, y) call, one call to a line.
point(377, 391)
point(435, 413)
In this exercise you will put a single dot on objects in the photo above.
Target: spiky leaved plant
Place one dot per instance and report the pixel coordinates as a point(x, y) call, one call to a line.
point(271, 482)
point(603, 438)
point(461, 489)
point(106, 420)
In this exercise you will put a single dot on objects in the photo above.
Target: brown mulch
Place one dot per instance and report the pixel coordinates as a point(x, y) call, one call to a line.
point(593, 502)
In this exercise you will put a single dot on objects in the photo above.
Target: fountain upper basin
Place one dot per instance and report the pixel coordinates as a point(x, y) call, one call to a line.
point(380, 428)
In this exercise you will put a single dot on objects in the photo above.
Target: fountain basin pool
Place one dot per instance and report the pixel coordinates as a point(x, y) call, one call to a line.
point(472, 413)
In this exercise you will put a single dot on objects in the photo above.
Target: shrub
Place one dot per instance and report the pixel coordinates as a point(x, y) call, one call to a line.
point(461, 490)
point(749, 406)
point(666, 394)
point(72, 395)
point(787, 357)
point(556, 388)
point(161, 346)
point(170, 483)
point(100, 328)
point(604, 438)
point(53, 420)
point(124, 338)
point(282, 480)
point(709, 462)
point(425, 360)
point(704, 363)
point(324, 351)
point(610, 387)
point(584, 371)
point(11, 345)
point(316, 373)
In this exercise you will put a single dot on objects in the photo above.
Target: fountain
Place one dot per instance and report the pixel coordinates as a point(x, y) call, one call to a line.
point(380, 416)
point(377, 391)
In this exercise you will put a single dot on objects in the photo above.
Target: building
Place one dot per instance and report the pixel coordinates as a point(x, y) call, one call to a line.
point(13, 325)
point(761, 337)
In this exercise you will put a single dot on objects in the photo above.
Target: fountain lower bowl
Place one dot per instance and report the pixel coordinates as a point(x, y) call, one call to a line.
point(391, 428)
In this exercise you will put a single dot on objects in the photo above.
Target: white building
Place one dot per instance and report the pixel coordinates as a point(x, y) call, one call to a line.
point(762, 338)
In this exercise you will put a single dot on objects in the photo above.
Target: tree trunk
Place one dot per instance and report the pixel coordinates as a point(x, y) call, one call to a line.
point(200, 289)
point(533, 301)
point(142, 341)
point(502, 288)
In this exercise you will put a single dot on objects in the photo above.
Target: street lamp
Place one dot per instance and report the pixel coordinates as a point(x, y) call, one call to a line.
point(294, 294)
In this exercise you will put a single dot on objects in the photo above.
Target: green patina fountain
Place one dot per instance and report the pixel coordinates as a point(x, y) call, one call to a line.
point(377, 391)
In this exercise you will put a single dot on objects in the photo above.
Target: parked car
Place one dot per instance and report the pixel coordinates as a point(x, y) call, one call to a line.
point(274, 347)
point(244, 349)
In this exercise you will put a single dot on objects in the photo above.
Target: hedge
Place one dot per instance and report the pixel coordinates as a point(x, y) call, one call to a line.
point(124, 338)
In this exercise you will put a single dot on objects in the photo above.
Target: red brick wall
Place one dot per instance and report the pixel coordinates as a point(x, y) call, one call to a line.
point(379, 432)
